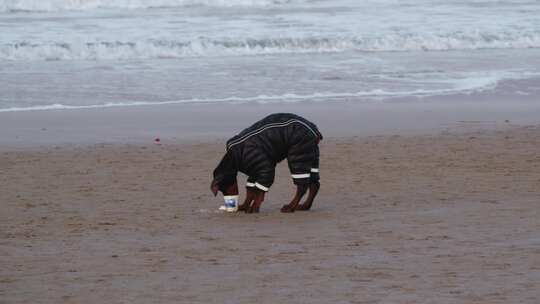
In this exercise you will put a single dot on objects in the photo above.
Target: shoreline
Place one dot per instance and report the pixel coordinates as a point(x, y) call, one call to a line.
point(210, 122)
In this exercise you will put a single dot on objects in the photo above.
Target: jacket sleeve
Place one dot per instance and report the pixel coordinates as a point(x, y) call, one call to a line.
point(265, 178)
point(261, 168)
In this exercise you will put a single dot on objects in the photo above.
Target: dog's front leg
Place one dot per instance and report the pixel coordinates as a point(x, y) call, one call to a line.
point(250, 196)
point(313, 190)
point(300, 191)
point(259, 198)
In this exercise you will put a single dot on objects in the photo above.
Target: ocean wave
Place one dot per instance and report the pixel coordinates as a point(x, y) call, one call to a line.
point(463, 86)
point(60, 5)
point(163, 48)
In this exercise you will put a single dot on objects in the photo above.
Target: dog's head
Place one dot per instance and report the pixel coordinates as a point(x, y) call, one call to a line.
point(227, 184)
point(225, 177)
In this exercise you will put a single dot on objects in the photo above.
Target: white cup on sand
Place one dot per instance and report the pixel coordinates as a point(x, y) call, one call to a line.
point(231, 203)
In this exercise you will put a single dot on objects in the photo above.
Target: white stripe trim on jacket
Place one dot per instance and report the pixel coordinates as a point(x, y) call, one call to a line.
point(269, 126)
point(263, 188)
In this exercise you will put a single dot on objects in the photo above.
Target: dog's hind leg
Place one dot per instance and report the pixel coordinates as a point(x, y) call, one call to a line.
point(313, 190)
point(259, 198)
point(300, 191)
point(314, 184)
point(250, 196)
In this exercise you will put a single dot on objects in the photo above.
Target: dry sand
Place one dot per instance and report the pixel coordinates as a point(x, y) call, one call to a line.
point(448, 218)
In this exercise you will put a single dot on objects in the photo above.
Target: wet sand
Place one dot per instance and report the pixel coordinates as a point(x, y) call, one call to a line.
point(450, 217)
point(205, 122)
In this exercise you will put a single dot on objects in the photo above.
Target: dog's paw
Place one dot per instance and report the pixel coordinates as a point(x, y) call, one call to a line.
point(287, 209)
point(252, 210)
point(303, 207)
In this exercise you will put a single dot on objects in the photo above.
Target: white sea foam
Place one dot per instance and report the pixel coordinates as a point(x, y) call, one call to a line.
point(59, 5)
point(201, 47)
point(468, 85)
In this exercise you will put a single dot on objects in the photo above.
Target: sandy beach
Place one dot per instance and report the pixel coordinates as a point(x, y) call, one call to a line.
point(448, 216)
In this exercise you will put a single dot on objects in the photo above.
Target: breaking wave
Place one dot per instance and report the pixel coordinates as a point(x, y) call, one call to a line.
point(463, 86)
point(60, 5)
point(163, 48)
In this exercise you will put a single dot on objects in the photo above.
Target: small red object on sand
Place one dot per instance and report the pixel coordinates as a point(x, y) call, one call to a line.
point(157, 141)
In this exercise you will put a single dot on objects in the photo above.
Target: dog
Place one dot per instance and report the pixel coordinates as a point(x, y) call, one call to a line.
point(256, 151)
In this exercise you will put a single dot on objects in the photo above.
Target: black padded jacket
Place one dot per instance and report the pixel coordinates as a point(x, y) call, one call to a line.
point(257, 149)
